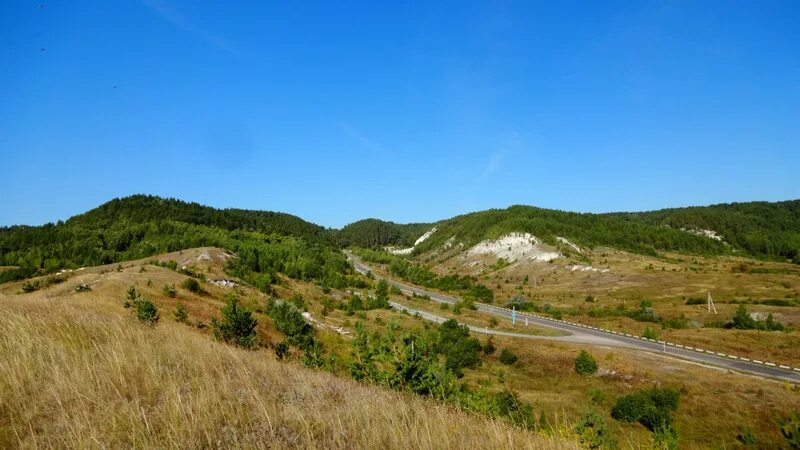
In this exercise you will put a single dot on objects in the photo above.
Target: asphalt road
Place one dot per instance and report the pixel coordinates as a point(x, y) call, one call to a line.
point(594, 336)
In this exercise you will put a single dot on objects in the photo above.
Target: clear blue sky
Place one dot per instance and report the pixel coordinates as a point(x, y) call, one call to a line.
point(339, 111)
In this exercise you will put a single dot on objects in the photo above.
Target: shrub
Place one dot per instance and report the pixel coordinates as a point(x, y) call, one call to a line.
point(180, 313)
point(488, 347)
point(746, 436)
point(237, 326)
point(790, 429)
point(585, 364)
point(650, 333)
point(281, 350)
point(193, 286)
point(30, 286)
point(130, 297)
point(652, 408)
point(146, 311)
point(508, 357)
point(288, 320)
point(696, 301)
point(493, 322)
point(83, 287)
point(170, 291)
point(593, 432)
point(459, 349)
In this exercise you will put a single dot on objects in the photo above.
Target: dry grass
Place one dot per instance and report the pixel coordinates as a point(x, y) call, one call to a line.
point(75, 376)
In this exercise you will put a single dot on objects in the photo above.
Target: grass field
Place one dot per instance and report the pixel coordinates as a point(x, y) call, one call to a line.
point(110, 381)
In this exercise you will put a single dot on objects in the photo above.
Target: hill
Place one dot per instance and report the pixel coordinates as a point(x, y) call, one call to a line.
point(759, 229)
point(114, 382)
point(379, 233)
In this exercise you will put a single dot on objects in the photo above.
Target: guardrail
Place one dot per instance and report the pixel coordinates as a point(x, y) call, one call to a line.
point(642, 338)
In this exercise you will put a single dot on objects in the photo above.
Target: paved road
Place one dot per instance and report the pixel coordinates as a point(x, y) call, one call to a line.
point(601, 337)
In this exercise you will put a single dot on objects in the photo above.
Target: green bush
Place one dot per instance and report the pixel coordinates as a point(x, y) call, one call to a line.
point(790, 429)
point(193, 286)
point(30, 286)
point(488, 347)
point(696, 301)
point(593, 432)
point(237, 326)
point(650, 333)
point(180, 313)
point(459, 349)
point(170, 291)
point(508, 357)
point(652, 408)
point(146, 311)
point(585, 364)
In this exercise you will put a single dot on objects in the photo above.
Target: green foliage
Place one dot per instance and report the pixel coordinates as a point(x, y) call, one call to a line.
point(136, 227)
point(290, 321)
point(585, 364)
point(194, 286)
point(381, 298)
point(508, 357)
point(790, 429)
point(170, 291)
point(459, 349)
point(652, 408)
point(180, 313)
point(593, 432)
point(467, 287)
point(743, 321)
point(696, 301)
point(281, 350)
point(30, 286)
point(374, 233)
point(146, 311)
point(746, 436)
point(761, 229)
point(650, 333)
point(237, 326)
point(488, 347)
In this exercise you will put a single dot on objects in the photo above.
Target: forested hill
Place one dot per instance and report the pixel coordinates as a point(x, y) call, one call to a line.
point(759, 229)
point(147, 208)
point(141, 226)
point(380, 233)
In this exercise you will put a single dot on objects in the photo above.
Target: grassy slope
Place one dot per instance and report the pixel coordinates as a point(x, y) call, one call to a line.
point(78, 371)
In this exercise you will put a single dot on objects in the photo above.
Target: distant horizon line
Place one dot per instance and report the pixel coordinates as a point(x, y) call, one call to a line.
point(392, 221)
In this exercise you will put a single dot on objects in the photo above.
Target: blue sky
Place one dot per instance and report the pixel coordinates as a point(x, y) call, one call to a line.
point(339, 111)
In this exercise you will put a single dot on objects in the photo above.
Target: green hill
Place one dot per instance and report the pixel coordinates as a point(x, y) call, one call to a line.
point(759, 229)
point(379, 233)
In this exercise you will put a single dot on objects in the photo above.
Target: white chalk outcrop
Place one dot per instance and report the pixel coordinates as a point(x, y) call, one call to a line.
point(514, 247)
point(407, 251)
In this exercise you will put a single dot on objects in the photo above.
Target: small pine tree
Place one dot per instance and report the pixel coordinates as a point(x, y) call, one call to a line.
point(146, 311)
point(508, 357)
point(585, 364)
point(237, 326)
point(180, 313)
point(130, 298)
point(170, 291)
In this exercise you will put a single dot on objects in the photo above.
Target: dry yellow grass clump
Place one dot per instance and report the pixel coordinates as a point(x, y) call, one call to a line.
point(75, 377)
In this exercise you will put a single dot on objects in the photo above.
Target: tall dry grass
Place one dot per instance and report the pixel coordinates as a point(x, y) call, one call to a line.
point(73, 377)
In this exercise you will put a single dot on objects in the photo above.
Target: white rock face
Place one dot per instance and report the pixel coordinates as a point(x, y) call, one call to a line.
point(407, 251)
point(584, 268)
point(711, 234)
point(568, 244)
point(513, 247)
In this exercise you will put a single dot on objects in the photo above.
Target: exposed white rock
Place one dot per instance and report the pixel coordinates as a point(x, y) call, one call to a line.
point(585, 268)
point(407, 251)
point(224, 283)
point(711, 234)
point(513, 247)
point(568, 244)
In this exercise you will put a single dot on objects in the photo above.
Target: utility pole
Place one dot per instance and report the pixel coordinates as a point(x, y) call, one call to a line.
point(711, 303)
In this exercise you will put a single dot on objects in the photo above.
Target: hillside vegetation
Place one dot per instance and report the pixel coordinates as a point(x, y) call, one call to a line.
point(114, 383)
point(760, 229)
point(140, 226)
point(378, 233)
